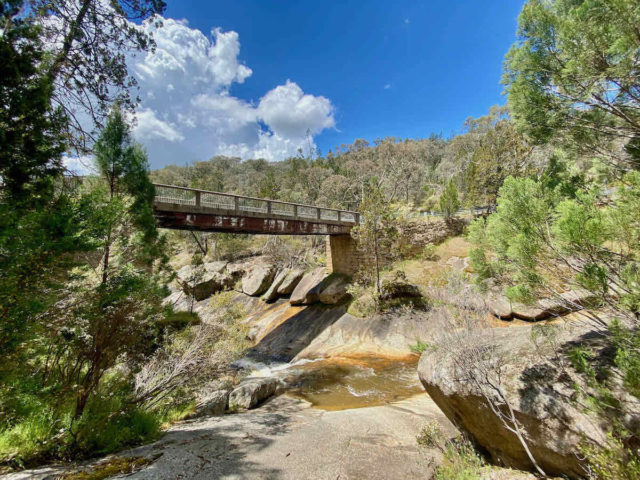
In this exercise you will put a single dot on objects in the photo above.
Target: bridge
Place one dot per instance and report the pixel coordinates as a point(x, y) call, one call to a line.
point(183, 208)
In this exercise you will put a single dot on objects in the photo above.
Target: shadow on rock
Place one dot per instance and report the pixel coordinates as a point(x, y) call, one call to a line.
point(290, 337)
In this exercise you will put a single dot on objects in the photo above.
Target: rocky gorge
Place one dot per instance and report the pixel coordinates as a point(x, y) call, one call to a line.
point(317, 374)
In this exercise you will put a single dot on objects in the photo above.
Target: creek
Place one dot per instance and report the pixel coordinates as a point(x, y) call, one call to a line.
point(339, 383)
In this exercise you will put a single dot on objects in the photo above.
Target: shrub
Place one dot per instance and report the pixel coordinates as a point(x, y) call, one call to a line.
point(419, 347)
point(429, 252)
point(365, 300)
point(616, 462)
point(461, 461)
point(449, 202)
point(430, 435)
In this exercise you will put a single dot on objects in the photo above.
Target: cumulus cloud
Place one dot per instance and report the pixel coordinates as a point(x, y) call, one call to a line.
point(187, 109)
point(151, 127)
point(286, 109)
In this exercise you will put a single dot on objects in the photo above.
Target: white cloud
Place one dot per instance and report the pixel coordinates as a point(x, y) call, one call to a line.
point(150, 127)
point(387, 86)
point(289, 112)
point(82, 165)
point(188, 112)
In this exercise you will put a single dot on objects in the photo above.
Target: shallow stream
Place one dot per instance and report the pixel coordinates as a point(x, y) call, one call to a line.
point(340, 384)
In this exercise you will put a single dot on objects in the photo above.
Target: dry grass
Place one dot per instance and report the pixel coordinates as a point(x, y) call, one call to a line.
point(420, 272)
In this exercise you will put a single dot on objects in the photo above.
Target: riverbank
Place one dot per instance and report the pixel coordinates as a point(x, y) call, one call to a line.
point(288, 439)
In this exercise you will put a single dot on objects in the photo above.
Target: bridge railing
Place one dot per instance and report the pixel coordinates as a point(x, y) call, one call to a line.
point(171, 194)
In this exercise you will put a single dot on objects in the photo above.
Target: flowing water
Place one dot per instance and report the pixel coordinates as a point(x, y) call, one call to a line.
point(339, 384)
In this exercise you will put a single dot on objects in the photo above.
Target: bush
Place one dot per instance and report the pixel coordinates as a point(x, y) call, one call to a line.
point(365, 300)
point(612, 463)
point(107, 424)
point(419, 347)
point(461, 462)
point(449, 202)
point(28, 439)
point(429, 253)
point(430, 435)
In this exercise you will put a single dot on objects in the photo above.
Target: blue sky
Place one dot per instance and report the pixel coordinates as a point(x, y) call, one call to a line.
point(248, 77)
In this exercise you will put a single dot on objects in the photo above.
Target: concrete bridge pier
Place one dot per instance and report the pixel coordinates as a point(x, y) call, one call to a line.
point(342, 255)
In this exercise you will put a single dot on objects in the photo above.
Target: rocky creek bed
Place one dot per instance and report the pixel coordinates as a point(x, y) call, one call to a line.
point(329, 395)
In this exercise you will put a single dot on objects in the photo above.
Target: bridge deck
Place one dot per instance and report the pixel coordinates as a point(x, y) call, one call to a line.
point(193, 209)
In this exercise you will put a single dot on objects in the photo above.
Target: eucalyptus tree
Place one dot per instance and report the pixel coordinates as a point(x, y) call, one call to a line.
point(88, 42)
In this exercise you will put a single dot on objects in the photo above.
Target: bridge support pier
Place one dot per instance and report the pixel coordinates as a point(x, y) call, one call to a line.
point(342, 255)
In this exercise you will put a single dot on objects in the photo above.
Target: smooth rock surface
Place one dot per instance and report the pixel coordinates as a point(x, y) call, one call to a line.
point(308, 289)
point(291, 281)
point(334, 290)
point(381, 336)
point(285, 439)
point(272, 292)
point(252, 392)
point(283, 332)
point(257, 279)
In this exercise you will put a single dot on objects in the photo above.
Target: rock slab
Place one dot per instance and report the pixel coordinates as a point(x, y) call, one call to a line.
point(308, 289)
point(272, 292)
point(290, 281)
point(257, 280)
point(334, 290)
point(252, 392)
point(214, 404)
point(202, 281)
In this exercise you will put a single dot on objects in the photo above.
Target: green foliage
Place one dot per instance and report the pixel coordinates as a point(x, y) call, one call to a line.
point(429, 252)
point(449, 202)
point(40, 430)
point(461, 461)
point(551, 232)
point(123, 164)
point(614, 462)
point(179, 320)
point(419, 347)
point(498, 152)
point(32, 131)
point(626, 342)
point(430, 435)
point(376, 230)
point(584, 91)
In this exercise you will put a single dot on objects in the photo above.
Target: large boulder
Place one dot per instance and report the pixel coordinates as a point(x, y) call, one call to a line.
point(257, 279)
point(499, 306)
point(202, 281)
point(253, 391)
point(272, 292)
point(290, 281)
point(308, 289)
point(479, 377)
point(571, 300)
point(215, 403)
point(334, 290)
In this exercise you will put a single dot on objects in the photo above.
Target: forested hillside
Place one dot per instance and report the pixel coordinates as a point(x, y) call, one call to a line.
point(412, 172)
